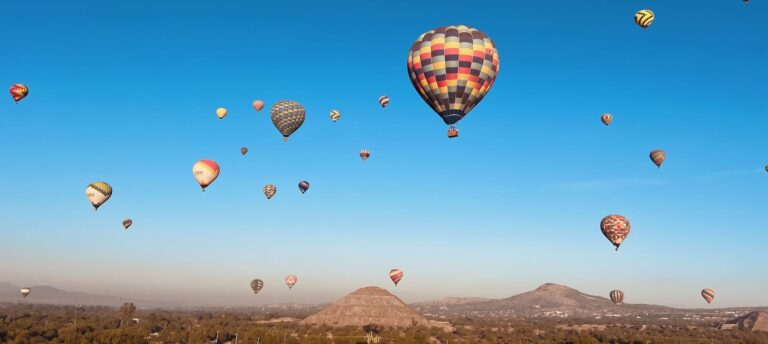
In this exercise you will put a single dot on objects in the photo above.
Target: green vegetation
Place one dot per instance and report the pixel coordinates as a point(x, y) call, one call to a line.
point(32, 324)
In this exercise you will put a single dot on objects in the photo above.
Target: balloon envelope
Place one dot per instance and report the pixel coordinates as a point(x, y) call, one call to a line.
point(395, 275)
point(25, 291)
point(453, 68)
point(256, 285)
point(606, 118)
point(270, 190)
point(335, 115)
point(258, 105)
point(287, 116)
point(303, 186)
point(205, 172)
point(708, 295)
point(644, 18)
point(658, 156)
point(98, 193)
point(617, 296)
point(221, 112)
point(243, 150)
point(127, 223)
point(383, 101)
point(615, 228)
point(365, 154)
point(18, 92)
point(291, 280)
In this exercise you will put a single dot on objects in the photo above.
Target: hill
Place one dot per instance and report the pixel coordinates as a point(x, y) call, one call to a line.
point(54, 296)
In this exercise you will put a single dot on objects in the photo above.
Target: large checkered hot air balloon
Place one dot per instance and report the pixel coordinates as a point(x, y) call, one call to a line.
point(453, 68)
point(287, 116)
point(615, 228)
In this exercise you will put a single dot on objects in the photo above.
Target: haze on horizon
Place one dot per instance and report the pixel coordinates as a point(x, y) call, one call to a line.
point(126, 93)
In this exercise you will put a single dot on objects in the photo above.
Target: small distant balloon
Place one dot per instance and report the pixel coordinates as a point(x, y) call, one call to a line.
point(644, 18)
point(243, 150)
point(658, 156)
point(98, 193)
point(25, 291)
point(18, 92)
point(615, 228)
point(303, 186)
point(258, 105)
point(291, 280)
point(606, 118)
point(766, 168)
point(127, 223)
point(617, 296)
point(395, 275)
point(221, 112)
point(746, 1)
point(335, 115)
point(205, 172)
point(256, 285)
point(708, 295)
point(365, 154)
point(383, 101)
point(270, 190)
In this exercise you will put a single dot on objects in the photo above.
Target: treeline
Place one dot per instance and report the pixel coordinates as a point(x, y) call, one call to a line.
point(28, 324)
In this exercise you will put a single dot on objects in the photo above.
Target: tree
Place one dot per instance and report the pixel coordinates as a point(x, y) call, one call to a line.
point(126, 313)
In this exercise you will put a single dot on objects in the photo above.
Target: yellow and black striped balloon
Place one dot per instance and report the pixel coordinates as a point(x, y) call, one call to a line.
point(644, 18)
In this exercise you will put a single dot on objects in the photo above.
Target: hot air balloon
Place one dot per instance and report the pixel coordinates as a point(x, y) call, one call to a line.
point(615, 228)
point(658, 156)
point(617, 296)
point(127, 223)
point(291, 280)
point(644, 18)
point(258, 105)
point(256, 285)
point(606, 118)
point(746, 1)
point(25, 291)
point(287, 116)
point(708, 294)
point(303, 186)
point(205, 172)
point(18, 92)
point(383, 101)
point(221, 112)
point(766, 168)
point(335, 115)
point(395, 275)
point(365, 154)
point(453, 68)
point(270, 190)
point(98, 193)
point(243, 150)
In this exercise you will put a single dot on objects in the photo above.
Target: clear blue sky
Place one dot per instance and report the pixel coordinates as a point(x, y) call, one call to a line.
point(126, 93)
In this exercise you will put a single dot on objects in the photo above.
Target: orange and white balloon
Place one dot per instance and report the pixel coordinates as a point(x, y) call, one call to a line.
point(258, 105)
point(205, 172)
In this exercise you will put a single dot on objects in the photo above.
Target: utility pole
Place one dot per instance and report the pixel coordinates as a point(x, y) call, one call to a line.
point(235, 338)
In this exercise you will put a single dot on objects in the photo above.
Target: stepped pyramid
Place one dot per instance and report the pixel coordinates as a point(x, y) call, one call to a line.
point(369, 305)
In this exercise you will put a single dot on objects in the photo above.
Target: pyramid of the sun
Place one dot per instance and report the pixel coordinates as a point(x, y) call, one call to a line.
point(366, 306)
